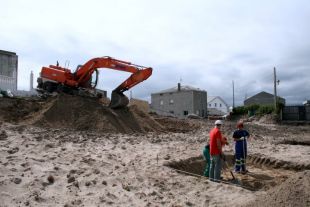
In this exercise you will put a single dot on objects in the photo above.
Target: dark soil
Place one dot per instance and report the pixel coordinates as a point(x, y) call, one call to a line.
point(295, 191)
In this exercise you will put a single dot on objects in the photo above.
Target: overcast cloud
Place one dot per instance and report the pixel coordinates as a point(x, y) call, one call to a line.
point(205, 43)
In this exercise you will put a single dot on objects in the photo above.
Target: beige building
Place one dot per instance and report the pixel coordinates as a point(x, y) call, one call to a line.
point(8, 70)
point(180, 101)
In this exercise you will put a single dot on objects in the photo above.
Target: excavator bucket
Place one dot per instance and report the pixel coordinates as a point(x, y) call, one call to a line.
point(118, 100)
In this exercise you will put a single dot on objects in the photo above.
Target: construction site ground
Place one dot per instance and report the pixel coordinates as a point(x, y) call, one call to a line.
point(73, 151)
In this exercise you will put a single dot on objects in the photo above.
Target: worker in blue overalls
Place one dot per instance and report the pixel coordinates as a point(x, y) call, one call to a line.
point(240, 137)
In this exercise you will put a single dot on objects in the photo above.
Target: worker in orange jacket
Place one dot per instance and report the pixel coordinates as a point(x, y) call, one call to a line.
point(217, 141)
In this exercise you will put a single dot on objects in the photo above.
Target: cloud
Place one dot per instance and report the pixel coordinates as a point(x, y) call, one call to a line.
point(206, 43)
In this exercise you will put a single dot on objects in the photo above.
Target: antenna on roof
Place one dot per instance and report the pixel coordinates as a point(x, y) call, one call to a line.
point(67, 62)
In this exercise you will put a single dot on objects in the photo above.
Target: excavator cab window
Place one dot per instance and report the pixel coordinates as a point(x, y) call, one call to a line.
point(94, 79)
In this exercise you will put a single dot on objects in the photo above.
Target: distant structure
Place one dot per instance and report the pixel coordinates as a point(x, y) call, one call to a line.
point(8, 70)
point(31, 92)
point(217, 106)
point(180, 101)
point(263, 98)
point(306, 103)
point(31, 81)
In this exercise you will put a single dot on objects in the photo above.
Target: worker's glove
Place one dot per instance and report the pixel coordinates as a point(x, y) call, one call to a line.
point(224, 141)
point(242, 138)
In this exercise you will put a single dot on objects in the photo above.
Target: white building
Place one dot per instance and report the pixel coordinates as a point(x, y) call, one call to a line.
point(217, 106)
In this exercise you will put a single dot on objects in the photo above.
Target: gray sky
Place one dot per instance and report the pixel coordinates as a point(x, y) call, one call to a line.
point(205, 43)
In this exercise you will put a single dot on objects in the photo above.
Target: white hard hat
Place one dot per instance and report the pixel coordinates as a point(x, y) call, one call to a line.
point(218, 122)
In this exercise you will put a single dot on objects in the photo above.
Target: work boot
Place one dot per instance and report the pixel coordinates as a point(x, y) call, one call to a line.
point(244, 172)
point(237, 171)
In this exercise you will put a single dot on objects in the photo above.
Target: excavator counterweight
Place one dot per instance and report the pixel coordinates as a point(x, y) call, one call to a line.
point(59, 79)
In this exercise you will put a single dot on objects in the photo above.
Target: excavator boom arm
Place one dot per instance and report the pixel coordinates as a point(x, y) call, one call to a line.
point(139, 73)
point(118, 99)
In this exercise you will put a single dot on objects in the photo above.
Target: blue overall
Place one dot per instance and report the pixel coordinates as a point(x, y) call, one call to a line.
point(240, 149)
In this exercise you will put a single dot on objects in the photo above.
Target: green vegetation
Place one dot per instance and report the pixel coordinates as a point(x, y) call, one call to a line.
point(257, 109)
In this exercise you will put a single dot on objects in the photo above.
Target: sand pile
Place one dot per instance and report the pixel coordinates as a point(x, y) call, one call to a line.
point(295, 191)
point(84, 113)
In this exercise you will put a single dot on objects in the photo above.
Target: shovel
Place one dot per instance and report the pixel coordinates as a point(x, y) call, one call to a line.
point(234, 180)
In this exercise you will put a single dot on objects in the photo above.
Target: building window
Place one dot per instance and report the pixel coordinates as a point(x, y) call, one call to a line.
point(171, 101)
point(171, 112)
point(161, 102)
point(209, 105)
point(160, 94)
point(185, 113)
point(220, 105)
point(214, 104)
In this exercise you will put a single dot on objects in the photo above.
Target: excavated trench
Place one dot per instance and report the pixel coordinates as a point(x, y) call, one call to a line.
point(296, 142)
point(264, 172)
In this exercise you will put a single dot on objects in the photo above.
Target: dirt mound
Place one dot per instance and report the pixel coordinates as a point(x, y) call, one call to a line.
point(295, 191)
point(178, 125)
point(15, 109)
point(83, 113)
point(268, 119)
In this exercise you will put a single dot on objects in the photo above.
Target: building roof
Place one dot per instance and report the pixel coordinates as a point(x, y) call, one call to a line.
point(7, 52)
point(183, 88)
point(263, 93)
point(211, 98)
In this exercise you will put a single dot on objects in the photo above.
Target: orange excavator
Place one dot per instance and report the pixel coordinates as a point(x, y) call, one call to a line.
point(59, 79)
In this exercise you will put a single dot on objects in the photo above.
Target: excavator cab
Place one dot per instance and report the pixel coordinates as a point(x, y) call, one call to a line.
point(94, 79)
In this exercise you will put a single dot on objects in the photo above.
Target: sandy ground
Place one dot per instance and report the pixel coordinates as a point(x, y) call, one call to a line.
point(66, 167)
point(98, 170)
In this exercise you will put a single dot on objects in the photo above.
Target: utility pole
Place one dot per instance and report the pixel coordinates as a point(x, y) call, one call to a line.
point(233, 85)
point(275, 88)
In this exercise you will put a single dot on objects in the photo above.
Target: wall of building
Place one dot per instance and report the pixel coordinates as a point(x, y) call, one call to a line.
point(8, 70)
point(296, 113)
point(219, 105)
point(180, 103)
point(200, 103)
point(175, 103)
